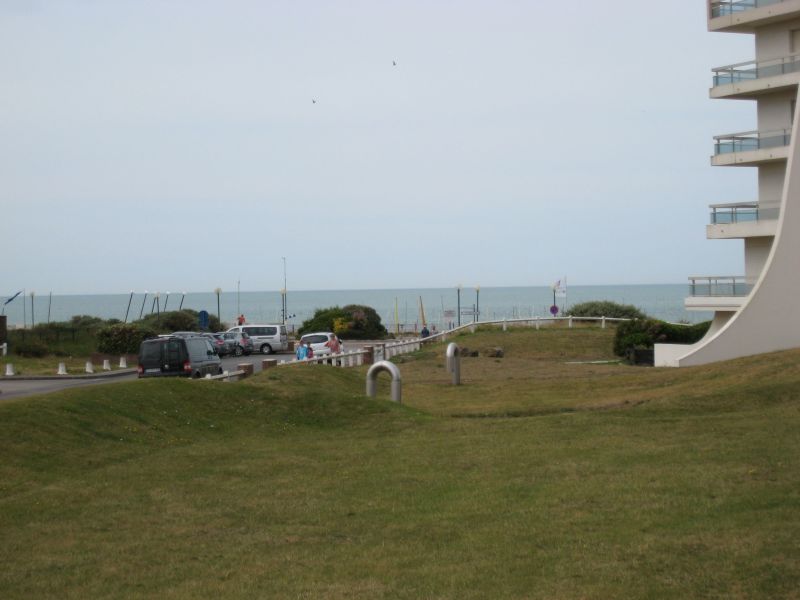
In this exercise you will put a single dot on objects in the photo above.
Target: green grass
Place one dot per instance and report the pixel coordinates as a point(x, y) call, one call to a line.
point(534, 479)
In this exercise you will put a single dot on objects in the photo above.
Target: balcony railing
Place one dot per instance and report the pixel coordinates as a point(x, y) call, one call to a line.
point(751, 140)
point(724, 285)
point(741, 212)
point(722, 8)
point(748, 71)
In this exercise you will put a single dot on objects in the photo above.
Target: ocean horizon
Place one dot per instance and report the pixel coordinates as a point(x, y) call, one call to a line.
point(440, 305)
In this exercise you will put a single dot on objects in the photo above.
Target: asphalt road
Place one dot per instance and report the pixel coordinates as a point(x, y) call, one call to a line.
point(10, 388)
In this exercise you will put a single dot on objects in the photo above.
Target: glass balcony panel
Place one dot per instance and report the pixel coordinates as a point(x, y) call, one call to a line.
point(719, 286)
point(750, 71)
point(724, 8)
point(754, 140)
point(729, 214)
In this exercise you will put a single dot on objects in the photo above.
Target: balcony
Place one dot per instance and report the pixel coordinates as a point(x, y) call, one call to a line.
point(741, 220)
point(724, 292)
point(751, 147)
point(749, 79)
point(745, 15)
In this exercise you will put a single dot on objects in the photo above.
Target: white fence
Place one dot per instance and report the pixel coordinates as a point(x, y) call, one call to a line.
point(387, 350)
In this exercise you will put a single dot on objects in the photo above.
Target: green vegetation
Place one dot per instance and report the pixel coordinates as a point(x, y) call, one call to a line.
point(83, 335)
point(644, 333)
point(605, 308)
point(353, 322)
point(540, 477)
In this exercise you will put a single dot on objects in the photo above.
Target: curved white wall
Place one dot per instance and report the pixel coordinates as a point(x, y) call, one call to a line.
point(770, 318)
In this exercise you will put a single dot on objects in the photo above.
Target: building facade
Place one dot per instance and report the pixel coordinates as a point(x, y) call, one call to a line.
point(757, 311)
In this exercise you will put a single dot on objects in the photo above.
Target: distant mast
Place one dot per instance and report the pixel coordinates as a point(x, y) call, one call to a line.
point(422, 313)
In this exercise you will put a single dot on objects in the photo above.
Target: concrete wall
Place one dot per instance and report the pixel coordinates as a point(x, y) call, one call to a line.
point(770, 184)
point(770, 318)
point(756, 252)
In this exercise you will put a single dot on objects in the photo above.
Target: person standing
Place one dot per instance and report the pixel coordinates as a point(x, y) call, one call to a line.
point(302, 352)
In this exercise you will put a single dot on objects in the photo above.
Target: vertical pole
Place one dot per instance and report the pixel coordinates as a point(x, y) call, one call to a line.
point(49, 304)
point(166, 301)
point(478, 303)
point(24, 311)
point(182, 297)
point(33, 320)
point(141, 312)
point(217, 291)
point(458, 291)
point(238, 304)
point(285, 302)
point(130, 299)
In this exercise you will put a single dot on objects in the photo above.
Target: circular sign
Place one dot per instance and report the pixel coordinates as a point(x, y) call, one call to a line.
point(554, 310)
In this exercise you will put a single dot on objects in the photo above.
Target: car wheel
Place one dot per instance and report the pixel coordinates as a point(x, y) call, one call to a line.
point(239, 351)
point(266, 349)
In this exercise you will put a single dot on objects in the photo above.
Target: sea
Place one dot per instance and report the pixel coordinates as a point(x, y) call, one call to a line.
point(400, 309)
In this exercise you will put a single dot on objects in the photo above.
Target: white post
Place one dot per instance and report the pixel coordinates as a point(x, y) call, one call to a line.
point(505, 325)
point(4, 348)
point(570, 321)
point(537, 323)
point(9, 370)
point(106, 364)
point(123, 362)
point(603, 323)
point(89, 367)
point(62, 369)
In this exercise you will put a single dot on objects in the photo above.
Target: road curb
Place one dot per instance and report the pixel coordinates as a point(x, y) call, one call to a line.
point(107, 375)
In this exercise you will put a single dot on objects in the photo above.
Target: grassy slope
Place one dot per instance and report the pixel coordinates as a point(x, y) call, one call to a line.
point(616, 482)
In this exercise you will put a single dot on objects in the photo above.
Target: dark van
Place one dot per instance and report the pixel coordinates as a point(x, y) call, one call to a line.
point(178, 357)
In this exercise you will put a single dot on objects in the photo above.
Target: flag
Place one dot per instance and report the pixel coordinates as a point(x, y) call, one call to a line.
point(12, 297)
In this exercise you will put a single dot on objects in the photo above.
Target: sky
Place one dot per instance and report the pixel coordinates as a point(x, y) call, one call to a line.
point(188, 144)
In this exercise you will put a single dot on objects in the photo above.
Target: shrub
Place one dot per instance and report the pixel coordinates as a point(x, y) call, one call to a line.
point(644, 333)
point(354, 321)
point(122, 338)
point(605, 308)
point(178, 320)
point(30, 349)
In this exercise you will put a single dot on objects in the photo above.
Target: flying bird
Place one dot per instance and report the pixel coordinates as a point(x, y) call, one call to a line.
point(394, 63)
point(313, 101)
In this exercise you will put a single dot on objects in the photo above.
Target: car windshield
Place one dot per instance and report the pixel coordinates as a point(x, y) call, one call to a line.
point(315, 339)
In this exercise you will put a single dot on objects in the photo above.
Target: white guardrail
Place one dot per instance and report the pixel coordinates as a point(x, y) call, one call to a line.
point(386, 350)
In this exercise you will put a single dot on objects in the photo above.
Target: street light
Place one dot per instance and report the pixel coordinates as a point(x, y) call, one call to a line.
point(33, 321)
point(141, 312)
point(458, 291)
point(284, 303)
point(218, 291)
point(477, 303)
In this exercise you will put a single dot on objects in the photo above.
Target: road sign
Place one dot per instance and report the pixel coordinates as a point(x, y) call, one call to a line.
point(202, 319)
point(554, 310)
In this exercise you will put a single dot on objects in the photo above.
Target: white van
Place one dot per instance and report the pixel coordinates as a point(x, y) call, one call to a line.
point(266, 338)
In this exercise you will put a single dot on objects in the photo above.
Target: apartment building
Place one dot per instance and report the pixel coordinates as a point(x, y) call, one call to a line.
point(758, 310)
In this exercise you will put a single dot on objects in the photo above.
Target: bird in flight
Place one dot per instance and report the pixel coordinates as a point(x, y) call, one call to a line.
point(394, 63)
point(313, 101)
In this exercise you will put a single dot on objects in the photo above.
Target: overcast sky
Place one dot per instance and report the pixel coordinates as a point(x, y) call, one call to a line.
point(176, 145)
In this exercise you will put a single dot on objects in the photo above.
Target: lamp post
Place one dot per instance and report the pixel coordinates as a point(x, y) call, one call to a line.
point(130, 299)
point(182, 297)
point(33, 321)
point(477, 303)
point(284, 304)
point(141, 312)
point(166, 301)
point(458, 291)
point(218, 291)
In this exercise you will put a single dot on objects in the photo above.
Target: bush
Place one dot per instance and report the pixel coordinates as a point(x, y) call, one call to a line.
point(177, 320)
point(122, 338)
point(353, 322)
point(644, 333)
point(605, 308)
point(31, 349)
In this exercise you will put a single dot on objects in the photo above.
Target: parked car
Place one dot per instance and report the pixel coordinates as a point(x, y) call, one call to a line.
point(319, 340)
point(178, 356)
point(240, 342)
point(219, 344)
point(266, 338)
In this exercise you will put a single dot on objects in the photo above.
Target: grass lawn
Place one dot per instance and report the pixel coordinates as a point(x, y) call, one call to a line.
point(536, 478)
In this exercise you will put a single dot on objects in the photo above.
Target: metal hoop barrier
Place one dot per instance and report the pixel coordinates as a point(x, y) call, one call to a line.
point(397, 381)
point(454, 362)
